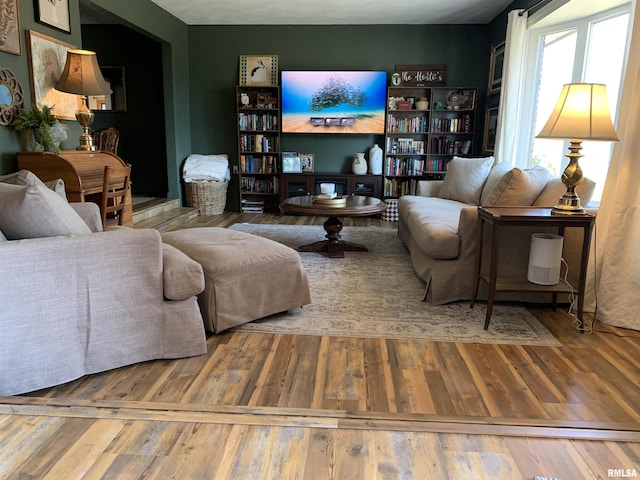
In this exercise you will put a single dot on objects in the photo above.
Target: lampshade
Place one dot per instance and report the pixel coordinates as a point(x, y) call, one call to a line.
point(582, 113)
point(81, 75)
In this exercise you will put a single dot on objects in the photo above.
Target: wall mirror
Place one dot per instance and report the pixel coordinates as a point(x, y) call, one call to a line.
point(11, 96)
point(117, 101)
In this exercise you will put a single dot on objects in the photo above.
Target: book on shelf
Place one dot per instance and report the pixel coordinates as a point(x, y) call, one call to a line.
point(251, 206)
point(258, 164)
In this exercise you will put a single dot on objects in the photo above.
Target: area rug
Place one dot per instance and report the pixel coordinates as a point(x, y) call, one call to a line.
point(376, 294)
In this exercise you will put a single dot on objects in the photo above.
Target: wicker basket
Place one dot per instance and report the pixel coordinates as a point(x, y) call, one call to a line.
point(209, 198)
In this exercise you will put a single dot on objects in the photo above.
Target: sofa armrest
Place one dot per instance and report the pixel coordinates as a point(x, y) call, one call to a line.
point(90, 213)
point(428, 188)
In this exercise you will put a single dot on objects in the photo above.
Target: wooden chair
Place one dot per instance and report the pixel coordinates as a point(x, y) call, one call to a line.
point(107, 139)
point(115, 187)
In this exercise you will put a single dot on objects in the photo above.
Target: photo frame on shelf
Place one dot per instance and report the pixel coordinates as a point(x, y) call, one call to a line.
point(47, 56)
point(259, 70)
point(490, 127)
point(495, 68)
point(10, 27)
point(306, 162)
point(53, 14)
point(291, 163)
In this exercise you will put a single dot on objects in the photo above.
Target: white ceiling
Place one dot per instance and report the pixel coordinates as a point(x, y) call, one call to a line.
point(332, 12)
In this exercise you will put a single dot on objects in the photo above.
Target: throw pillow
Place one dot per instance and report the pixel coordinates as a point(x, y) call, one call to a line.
point(495, 175)
point(36, 211)
point(465, 178)
point(27, 177)
point(518, 187)
point(555, 189)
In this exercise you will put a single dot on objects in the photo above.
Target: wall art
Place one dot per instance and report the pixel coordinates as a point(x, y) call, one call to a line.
point(54, 13)
point(9, 27)
point(259, 70)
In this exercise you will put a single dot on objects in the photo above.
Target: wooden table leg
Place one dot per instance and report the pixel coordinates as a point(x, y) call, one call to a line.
point(493, 274)
point(478, 263)
point(334, 247)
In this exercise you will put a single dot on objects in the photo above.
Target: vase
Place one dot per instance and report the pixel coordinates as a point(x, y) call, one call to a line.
point(359, 165)
point(375, 160)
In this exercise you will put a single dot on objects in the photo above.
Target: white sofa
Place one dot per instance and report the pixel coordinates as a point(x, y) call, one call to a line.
point(77, 300)
point(438, 225)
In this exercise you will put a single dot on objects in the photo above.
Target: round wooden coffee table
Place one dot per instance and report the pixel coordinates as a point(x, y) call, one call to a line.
point(354, 206)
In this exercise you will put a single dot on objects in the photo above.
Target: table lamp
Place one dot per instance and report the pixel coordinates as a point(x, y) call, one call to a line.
point(582, 113)
point(82, 76)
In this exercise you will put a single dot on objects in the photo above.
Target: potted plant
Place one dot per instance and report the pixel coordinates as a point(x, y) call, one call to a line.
point(40, 121)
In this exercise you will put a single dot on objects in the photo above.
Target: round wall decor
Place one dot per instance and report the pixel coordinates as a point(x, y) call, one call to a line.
point(11, 96)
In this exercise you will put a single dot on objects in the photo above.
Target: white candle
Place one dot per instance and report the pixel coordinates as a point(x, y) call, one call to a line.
point(327, 188)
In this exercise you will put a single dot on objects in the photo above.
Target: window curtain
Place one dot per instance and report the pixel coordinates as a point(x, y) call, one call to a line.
point(613, 286)
point(508, 125)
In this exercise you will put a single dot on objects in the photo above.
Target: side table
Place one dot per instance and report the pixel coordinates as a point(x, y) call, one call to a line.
point(499, 217)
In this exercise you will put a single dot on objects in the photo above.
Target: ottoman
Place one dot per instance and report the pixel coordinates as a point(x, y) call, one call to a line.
point(246, 277)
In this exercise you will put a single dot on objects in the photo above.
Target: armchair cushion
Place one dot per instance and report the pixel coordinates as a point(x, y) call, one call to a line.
point(182, 277)
point(36, 211)
point(465, 178)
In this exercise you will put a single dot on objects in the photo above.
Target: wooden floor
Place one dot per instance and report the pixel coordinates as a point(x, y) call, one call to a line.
point(285, 406)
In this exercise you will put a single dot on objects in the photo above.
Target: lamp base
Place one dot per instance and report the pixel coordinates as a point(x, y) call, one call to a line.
point(568, 204)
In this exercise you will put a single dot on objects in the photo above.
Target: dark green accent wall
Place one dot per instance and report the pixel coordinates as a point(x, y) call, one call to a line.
point(214, 63)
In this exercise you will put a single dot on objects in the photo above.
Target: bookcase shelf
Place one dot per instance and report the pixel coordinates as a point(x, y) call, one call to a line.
point(259, 147)
point(419, 142)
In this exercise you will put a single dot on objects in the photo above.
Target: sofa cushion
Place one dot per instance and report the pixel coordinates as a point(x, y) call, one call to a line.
point(26, 178)
point(36, 211)
point(518, 187)
point(555, 189)
point(2, 237)
point(465, 178)
point(182, 277)
point(495, 175)
point(433, 222)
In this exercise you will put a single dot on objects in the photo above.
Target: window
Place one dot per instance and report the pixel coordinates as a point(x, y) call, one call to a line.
point(589, 50)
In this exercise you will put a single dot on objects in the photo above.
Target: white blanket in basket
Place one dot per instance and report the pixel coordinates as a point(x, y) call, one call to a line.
point(206, 167)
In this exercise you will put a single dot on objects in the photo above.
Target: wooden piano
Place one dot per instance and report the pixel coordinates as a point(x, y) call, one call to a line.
point(81, 171)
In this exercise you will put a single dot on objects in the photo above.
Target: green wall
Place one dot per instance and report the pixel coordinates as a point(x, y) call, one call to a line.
point(214, 65)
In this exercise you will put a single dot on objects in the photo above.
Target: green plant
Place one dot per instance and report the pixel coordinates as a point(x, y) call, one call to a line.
point(39, 120)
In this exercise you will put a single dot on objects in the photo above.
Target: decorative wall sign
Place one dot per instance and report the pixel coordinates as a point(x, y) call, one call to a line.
point(495, 68)
point(54, 13)
point(9, 27)
point(11, 96)
point(259, 70)
point(421, 75)
point(47, 57)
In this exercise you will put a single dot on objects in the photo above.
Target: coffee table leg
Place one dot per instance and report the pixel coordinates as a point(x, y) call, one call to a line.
point(334, 247)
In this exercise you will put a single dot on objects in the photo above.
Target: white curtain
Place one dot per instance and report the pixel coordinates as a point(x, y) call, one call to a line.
point(511, 92)
point(616, 276)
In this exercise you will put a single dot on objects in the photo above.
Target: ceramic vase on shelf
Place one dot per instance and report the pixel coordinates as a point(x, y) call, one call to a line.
point(359, 165)
point(375, 160)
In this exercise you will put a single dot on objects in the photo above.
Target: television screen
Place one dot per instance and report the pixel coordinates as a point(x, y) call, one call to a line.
point(333, 101)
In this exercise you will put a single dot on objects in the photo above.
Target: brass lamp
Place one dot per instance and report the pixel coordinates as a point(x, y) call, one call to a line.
point(82, 76)
point(582, 113)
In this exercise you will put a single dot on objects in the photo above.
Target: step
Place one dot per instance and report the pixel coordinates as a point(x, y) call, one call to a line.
point(149, 207)
point(165, 221)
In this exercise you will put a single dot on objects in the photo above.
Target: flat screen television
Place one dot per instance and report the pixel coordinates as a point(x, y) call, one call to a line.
point(333, 101)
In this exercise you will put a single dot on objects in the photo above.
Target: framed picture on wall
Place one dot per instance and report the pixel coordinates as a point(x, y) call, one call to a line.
point(47, 56)
point(495, 68)
point(54, 13)
point(490, 127)
point(9, 27)
point(259, 70)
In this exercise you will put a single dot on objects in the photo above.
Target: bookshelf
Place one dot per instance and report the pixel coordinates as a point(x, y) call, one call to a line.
point(426, 127)
point(259, 150)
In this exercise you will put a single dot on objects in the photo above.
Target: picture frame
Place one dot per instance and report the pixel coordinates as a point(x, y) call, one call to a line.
point(10, 27)
point(306, 162)
point(117, 100)
point(495, 67)
point(259, 70)
point(53, 13)
point(291, 163)
point(47, 57)
point(490, 127)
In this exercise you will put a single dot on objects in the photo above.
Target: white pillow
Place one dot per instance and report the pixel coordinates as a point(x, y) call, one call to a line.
point(35, 211)
point(465, 178)
point(555, 189)
point(27, 177)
